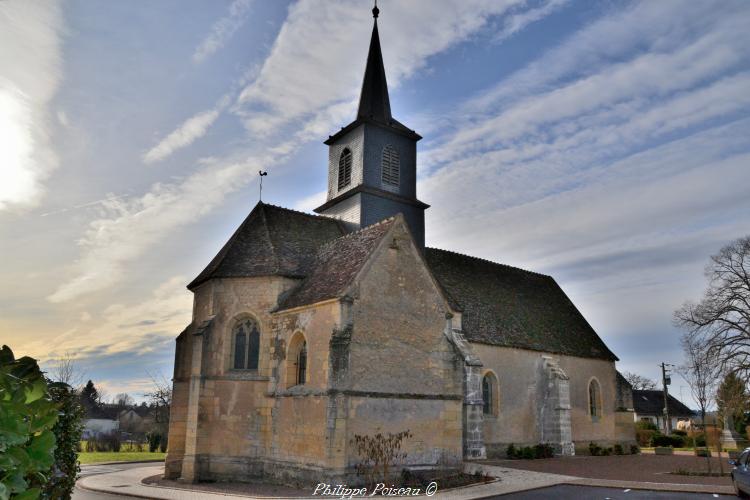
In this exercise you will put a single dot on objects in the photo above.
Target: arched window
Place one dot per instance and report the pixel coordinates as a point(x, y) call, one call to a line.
point(302, 364)
point(390, 165)
point(595, 400)
point(490, 394)
point(246, 336)
point(345, 168)
point(297, 361)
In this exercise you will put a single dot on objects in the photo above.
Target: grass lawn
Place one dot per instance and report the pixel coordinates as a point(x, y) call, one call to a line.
point(120, 456)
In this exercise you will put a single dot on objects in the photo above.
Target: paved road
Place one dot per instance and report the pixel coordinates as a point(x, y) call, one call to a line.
point(88, 470)
point(566, 491)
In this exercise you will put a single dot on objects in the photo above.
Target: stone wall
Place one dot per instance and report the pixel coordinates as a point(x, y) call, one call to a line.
point(403, 373)
point(522, 380)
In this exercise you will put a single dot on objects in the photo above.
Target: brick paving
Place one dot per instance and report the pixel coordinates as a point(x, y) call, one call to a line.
point(641, 468)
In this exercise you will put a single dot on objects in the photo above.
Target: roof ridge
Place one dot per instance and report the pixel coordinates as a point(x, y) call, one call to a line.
point(351, 234)
point(268, 235)
point(473, 257)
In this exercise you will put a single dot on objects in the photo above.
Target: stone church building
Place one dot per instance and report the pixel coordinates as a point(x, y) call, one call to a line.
point(310, 329)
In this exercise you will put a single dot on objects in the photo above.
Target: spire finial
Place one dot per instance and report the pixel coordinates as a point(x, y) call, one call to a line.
point(375, 10)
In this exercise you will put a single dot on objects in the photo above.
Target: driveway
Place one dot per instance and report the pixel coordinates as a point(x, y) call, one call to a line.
point(90, 470)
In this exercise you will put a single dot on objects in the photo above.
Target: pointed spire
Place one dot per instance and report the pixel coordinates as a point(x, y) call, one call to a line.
point(373, 101)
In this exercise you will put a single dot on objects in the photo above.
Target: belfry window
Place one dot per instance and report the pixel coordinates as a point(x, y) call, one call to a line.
point(345, 168)
point(246, 345)
point(302, 364)
point(595, 400)
point(390, 165)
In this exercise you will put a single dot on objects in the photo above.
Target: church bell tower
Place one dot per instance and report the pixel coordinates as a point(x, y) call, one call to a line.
point(372, 162)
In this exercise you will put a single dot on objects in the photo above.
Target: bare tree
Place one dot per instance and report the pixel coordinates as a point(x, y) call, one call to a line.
point(701, 372)
point(124, 400)
point(66, 370)
point(721, 320)
point(161, 399)
point(639, 382)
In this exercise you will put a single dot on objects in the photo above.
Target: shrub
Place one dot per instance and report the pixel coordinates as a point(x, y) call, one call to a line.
point(154, 438)
point(645, 425)
point(378, 453)
point(594, 449)
point(673, 441)
point(544, 450)
point(163, 443)
point(634, 449)
point(700, 439)
point(511, 451)
point(27, 416)
point(67, 430)
point(527, 453)
point(645, 437)
point(678, 432)
point(618, 449)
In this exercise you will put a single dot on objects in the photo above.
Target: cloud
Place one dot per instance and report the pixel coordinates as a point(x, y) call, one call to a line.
point(27, 85)
point(516, 22)
point(222, 30)
point(295, 81)
point(193, 128)
point(149, 323)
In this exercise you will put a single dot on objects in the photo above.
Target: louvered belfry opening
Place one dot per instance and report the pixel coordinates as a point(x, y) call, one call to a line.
point(345, 168)
point(390, 165)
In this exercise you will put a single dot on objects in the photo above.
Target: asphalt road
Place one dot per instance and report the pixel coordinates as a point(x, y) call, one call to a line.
point(88, 470)
point(566, 491)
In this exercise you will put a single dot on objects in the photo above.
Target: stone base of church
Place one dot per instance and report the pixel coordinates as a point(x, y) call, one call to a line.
point(250, 469)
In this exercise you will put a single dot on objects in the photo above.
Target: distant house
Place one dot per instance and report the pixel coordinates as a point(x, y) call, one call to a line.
point(101, 420)
point(649, 407)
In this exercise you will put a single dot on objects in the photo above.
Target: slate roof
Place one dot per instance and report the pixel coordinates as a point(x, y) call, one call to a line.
point(336, 265)
point(271, 241)
point(651, 402)
point(506, 306)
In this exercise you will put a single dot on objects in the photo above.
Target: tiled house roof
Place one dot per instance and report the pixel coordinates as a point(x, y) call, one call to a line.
point(336, 265)
point(651, 402)
point(271, 241)
point(507, 306)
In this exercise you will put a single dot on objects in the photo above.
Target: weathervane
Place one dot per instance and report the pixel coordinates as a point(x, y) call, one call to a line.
point(260, 193)
point(375, 10)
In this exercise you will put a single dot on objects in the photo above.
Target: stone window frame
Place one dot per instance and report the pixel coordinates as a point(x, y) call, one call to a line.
point(237, 320)
point(297, 342)
point(390, 166)
point(344, 171)
point(494, 381)
point(594, 408)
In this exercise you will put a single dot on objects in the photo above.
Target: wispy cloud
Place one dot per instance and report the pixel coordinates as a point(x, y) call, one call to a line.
point(159, 317)
point(191, 129)
point(30, 73)
point(517, 21)
point(222, 30)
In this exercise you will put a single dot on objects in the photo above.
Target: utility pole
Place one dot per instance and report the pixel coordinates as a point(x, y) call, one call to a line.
point(666, 380)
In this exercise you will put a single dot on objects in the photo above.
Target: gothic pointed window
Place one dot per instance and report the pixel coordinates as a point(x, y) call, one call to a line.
point(345, 168)
point(302, 364)
point(490, 394)
point(246, 336)
point(595, 400)
point(390, 165)
point(297, 361)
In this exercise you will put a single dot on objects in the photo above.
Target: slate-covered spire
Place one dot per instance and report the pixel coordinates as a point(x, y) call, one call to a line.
point(373, 101)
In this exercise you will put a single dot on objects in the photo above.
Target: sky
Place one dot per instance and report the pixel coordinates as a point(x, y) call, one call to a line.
point(603, 143)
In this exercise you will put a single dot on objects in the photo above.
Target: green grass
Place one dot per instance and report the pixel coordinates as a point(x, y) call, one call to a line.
point(121, 456)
